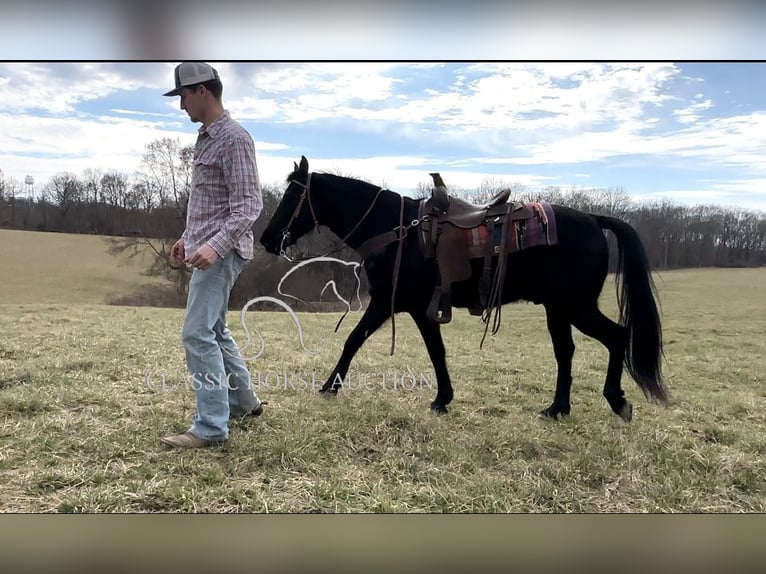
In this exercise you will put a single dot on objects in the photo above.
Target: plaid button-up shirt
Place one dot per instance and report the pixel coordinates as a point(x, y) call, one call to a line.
point(225, 197)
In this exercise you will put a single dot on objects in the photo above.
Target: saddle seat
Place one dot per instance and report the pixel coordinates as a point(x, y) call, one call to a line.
point(467, 215)
point(448, 208)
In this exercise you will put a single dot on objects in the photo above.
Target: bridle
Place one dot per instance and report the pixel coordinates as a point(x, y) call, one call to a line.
point(306, 197)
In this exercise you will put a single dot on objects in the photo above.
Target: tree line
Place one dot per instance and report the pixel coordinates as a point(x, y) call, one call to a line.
point(146, 210)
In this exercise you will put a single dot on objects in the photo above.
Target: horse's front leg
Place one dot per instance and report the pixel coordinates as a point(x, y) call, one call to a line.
point(432, 336)
point(376, 314)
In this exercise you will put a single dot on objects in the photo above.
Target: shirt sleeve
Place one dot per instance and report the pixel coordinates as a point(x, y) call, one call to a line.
point(245, 200)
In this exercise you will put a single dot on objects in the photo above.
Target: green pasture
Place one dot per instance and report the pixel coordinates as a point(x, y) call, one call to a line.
point(87, 390)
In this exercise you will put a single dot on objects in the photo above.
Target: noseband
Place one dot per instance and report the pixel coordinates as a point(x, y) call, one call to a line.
point(305, 194)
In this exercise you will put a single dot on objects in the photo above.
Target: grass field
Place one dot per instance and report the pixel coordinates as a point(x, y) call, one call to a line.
point(80, 424)
point(42, 267)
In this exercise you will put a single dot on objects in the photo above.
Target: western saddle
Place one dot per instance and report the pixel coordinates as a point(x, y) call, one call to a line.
point(446, 217)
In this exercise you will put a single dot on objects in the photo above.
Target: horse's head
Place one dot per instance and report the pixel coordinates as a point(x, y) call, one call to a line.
point(294, 216)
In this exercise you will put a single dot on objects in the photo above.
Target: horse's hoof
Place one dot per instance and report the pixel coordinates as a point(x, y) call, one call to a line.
point(553, 413)
point(626, 412)
point(328, 393)
point(439, 409)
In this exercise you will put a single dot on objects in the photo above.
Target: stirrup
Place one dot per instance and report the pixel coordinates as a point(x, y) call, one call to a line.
point(440, 308)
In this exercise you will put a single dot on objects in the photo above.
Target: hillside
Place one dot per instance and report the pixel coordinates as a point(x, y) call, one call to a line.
point(42, 267)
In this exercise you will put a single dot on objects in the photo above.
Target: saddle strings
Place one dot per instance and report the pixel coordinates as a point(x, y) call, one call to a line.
point(397, 263)
point(495, 300)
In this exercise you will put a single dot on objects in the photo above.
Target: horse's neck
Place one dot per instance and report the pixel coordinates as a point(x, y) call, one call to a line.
point(363, 208)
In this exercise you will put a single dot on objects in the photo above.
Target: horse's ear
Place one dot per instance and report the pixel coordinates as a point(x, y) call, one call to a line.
point(296, 167)
point(304, 164)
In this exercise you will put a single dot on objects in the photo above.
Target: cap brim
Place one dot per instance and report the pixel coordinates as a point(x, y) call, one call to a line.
point(175, 92)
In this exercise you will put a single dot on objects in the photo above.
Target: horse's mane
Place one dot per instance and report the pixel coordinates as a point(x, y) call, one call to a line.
point(342, 178)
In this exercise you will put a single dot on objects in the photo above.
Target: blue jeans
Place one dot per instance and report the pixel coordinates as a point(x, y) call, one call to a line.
point(220, 378)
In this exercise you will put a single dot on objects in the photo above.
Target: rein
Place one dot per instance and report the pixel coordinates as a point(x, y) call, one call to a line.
point(373, 244)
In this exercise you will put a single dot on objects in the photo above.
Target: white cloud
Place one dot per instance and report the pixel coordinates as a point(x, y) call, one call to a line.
point(543, 116)
point(690, 114)
point(87, 138)
point(57, 89)
point(495, 106)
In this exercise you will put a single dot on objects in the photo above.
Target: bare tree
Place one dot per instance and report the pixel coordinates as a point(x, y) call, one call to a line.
point(91, 184)
point(114, 188)
point(166, 172)
point(65, 190)
point(423, 190)
point(160, 191)
point(615, 201)
point(142, 196)
point(91, 187)
point(10, 190)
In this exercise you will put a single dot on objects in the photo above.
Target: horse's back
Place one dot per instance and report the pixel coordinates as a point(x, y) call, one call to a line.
point(569, 272)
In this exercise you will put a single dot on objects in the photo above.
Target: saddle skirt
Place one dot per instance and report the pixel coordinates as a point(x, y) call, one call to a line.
point(537, 230)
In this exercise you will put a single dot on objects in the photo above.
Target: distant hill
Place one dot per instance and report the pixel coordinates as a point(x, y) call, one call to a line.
point(42, 267)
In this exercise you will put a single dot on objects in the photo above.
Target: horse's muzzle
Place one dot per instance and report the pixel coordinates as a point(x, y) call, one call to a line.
point(270, 242)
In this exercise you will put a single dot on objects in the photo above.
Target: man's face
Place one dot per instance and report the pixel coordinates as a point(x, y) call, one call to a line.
point(192, 101)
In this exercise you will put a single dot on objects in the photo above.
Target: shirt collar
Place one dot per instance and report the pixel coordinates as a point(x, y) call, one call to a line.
point(217, 125)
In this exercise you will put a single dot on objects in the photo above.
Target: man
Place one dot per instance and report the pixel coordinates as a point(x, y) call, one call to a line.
point(224, 202)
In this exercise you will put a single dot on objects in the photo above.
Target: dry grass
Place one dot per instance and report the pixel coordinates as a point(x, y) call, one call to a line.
point(66, 268)
point(80, 428)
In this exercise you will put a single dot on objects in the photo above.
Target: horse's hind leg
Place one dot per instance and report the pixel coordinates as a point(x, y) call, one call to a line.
point(374, 316)
point(563, 349)
point(432, 337)
point(594, 323)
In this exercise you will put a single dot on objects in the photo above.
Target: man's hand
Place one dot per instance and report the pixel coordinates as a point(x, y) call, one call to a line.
point(204, 257)
point(177, 254)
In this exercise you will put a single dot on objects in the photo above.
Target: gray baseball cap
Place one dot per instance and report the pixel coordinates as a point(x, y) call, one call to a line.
point(190, 73)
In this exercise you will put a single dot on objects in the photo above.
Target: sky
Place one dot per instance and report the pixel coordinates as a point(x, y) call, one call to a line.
point(690, 128)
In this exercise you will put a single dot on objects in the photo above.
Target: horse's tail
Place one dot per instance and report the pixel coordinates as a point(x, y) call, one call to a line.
point(637, 298)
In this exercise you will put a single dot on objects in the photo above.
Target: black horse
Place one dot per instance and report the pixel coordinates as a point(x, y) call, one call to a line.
point(566, 278)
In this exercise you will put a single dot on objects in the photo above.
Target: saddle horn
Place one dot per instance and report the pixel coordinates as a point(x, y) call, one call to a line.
point(439, 195)
point(438, 181)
